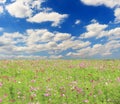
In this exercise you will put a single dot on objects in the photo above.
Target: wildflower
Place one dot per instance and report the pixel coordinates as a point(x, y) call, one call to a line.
point(46, 94)
point(92, 81)
point(15, 81)
point(86, 101)
point(106, 83)
point(0, 100)
point(118, 79)
point(63, 95)
point(79, 90)
point(34, 95)
point(33, 80)
point(33, 89)
point(5, 95)
point(82, 65)
point(1, 84)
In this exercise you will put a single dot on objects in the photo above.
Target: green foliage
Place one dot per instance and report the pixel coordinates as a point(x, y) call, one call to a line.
point(60, 82)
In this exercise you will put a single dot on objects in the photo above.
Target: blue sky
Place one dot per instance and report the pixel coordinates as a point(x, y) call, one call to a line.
point(59, 29)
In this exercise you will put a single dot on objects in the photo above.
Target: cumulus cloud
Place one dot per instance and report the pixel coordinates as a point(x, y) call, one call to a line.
point(113, 34)
point(108, 3)
point(97, 49)
point(53, 17)
point(39, 40)
point(22, 8)
point(97, 30)
point(94, 30)
point(117, 15)
point(54, 44)
point(61, 36)
point(56, 56)
point(26, 9)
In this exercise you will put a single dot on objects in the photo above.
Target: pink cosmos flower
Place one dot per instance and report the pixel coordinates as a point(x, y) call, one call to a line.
point(5, 95)
point(33, 89)
point(118, 79)
point(33, 80)
point(86, 101)
point(79, 90)
point(1, 84)
point(34, 95)
point(0, 100)
point(46, 94)
point(82, 65)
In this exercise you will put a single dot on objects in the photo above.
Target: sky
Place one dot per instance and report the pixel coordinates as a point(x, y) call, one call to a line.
point(53, 29)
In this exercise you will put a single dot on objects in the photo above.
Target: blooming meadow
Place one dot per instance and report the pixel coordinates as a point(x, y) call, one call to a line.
point(59, 82)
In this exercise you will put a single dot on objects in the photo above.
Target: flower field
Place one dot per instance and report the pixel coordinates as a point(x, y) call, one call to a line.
point(60, 82)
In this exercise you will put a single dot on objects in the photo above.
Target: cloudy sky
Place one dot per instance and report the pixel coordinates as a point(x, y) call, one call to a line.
point(60, 28)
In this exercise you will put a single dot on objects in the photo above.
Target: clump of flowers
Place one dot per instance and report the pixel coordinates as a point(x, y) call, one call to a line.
point(47, 92)
point(33, 89)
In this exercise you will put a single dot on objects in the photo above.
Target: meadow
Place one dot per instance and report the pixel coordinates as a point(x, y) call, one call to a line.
point(60, 82)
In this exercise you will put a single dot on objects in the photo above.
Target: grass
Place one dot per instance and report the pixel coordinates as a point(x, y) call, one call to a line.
point(60, 82)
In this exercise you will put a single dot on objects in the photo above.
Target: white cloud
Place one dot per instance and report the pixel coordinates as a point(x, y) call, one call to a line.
point(54, 44)
point(72, 44)
point(113, 34)
point(82, 44)
point(1, 9)
point(39, 40)
point(20, 8)
point(61, 36)
point(56, 56)
point(26, 9)
point(108, 3)
point(38, 36)
point(51, 45)
point(94, 30)
point(21, 57)
point(42, 40)
point(106, 49)
point(77, 22)
point(53, 17)
point(117, 15)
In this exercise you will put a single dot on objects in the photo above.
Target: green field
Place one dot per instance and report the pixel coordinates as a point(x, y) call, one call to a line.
point(60, 82)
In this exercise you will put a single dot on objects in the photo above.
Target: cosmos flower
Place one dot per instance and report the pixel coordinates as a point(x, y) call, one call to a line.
point(1, 84)
point(46, 94)
point(0, 100)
